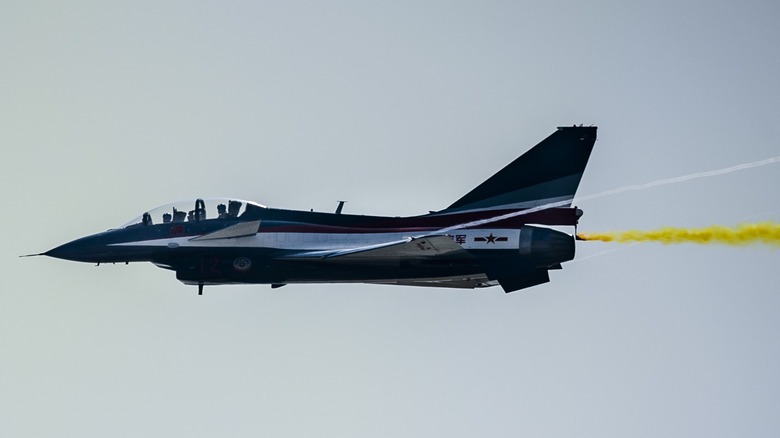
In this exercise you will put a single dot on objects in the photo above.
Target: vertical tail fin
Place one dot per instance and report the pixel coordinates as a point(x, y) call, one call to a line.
point(548, 173)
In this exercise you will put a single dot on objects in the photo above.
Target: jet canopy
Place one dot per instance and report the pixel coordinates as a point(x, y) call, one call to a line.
point(194, 210)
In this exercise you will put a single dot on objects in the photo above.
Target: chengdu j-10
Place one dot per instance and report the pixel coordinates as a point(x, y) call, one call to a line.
point(496, 234)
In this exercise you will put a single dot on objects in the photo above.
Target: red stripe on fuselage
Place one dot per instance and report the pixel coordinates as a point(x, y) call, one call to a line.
point(427, 223)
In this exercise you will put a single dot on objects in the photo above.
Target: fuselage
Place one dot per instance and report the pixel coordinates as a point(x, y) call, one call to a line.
point(199, 254)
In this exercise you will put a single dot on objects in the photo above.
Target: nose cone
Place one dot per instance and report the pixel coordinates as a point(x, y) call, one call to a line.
point(113, 246)
point(87, 249)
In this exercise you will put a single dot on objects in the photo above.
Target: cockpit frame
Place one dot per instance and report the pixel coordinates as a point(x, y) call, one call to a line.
point(193, 211)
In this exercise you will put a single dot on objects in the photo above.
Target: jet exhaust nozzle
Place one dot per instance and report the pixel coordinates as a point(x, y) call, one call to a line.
point(545, 246)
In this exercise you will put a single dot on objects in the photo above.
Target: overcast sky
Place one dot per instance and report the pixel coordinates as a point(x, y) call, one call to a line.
point(109, 109)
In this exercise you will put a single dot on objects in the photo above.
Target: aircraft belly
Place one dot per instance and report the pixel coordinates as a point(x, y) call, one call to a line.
point(275, 258)
point(263, 266)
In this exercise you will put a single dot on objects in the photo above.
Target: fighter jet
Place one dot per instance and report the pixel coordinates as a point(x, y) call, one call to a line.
point(497, 234)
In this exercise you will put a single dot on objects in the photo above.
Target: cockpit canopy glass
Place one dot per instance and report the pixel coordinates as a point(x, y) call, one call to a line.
point(193, 210)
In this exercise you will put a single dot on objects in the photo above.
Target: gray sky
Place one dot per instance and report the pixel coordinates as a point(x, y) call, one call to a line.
point(110, 109)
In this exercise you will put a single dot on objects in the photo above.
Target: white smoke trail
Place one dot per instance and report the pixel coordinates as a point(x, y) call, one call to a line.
point(599, 254)
point(631, 188)
point(679, 179)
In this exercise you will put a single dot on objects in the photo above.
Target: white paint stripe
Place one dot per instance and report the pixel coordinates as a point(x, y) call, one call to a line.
point(333, 241)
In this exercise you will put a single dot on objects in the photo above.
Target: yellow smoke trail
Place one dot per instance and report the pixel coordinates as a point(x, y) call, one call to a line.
point(745, 234)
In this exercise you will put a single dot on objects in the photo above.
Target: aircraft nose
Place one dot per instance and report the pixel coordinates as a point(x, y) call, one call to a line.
point(91, 249)
point(77, 251)
point(106, 247)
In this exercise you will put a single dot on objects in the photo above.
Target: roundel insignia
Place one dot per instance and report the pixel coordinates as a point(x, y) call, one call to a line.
point(242, 264)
